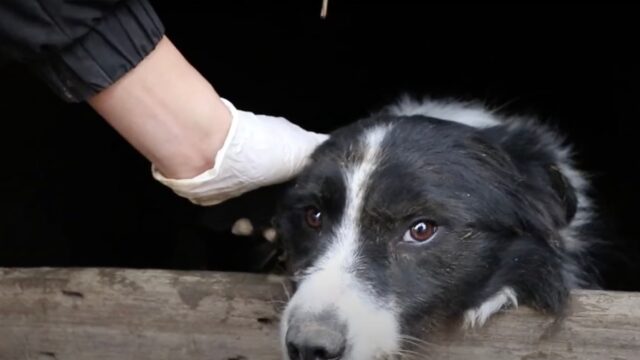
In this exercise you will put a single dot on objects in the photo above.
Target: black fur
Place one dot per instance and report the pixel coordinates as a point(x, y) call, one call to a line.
point(498, 194)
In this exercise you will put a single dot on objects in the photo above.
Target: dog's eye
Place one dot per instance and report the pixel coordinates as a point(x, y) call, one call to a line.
point(421, 231)
point(313, 217)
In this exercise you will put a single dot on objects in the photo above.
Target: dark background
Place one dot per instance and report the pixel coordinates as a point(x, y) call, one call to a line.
point(73, 193)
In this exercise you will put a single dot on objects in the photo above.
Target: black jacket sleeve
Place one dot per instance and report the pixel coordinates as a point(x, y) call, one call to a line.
point(78, 47)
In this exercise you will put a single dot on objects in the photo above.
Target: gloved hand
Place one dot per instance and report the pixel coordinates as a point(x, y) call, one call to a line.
point(259, 150)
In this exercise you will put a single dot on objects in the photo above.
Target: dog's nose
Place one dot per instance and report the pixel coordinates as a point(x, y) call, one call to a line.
point(317, 339)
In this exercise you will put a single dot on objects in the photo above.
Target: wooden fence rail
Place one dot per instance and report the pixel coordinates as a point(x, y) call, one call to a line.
point(104, 314)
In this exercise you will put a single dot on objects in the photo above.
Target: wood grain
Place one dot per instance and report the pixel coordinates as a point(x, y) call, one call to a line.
point(100, 314)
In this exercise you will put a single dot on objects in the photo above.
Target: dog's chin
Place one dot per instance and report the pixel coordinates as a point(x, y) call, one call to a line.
point(366, 353)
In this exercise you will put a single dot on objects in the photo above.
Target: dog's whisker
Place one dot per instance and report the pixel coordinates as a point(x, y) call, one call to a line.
point(410, 355)
point(414, 340)
point(285, 290)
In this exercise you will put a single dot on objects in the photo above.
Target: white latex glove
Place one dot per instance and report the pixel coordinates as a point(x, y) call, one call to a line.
point(259, 150)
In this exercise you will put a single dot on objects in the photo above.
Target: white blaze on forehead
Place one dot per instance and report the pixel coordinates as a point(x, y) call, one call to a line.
point(330, 283)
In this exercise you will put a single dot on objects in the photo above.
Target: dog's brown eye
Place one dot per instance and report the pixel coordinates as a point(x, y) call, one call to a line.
point(313, 217)
point(421, 231)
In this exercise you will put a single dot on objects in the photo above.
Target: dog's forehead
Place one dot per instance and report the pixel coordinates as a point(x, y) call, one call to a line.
point(400, 153)
point(412, 163)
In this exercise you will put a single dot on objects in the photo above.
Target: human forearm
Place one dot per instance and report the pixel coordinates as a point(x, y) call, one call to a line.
point(168, 112)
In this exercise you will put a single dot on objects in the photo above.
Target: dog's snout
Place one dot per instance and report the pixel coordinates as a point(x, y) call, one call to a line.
point(316, 339)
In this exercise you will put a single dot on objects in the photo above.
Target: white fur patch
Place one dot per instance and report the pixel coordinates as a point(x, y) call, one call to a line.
point(470, 114)
point(242, 227)
point(504, 298)
point(270, 234)
point(330, 284)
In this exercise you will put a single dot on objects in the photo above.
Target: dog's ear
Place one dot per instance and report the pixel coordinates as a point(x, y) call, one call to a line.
point(544, 165)
point(549, 194)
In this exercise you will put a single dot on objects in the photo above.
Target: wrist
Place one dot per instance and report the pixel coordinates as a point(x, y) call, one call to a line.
point(259, 151)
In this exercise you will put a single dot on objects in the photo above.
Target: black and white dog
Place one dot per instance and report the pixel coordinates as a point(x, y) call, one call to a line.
point(424, 212)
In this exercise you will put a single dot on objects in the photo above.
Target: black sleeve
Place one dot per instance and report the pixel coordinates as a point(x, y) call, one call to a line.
point(78, 47)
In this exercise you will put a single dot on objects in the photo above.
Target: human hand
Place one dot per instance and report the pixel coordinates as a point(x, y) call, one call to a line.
point(259, 150)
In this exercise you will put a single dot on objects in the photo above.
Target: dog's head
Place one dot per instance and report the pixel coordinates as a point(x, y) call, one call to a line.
point(400, 222)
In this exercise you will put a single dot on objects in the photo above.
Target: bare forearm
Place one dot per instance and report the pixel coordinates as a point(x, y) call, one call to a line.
point(168, 112)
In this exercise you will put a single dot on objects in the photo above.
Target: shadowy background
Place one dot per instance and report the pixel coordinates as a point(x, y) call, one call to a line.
point(73, 193)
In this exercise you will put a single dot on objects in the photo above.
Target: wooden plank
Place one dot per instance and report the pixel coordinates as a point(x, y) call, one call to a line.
point(65, 314)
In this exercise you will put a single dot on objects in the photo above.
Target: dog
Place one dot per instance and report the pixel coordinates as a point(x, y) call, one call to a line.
point(423, 212)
